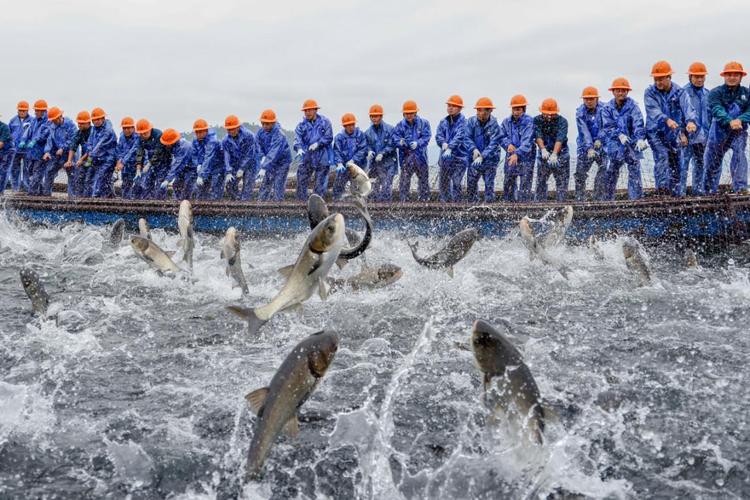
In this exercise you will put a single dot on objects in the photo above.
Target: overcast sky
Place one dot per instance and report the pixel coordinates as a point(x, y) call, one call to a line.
point(174, 61)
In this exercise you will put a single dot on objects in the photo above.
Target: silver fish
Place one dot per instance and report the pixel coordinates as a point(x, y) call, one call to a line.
point(155, 256)
point(230, 251)
point(187, 233)
point(34, 289)
point(448, 256)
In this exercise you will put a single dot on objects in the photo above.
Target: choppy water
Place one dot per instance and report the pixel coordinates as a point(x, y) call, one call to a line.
point(140, 389)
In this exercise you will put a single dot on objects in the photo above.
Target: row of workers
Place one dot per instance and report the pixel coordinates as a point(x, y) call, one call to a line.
point(683, 126)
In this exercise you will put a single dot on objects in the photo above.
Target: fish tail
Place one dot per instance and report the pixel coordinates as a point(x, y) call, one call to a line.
point(254, 323)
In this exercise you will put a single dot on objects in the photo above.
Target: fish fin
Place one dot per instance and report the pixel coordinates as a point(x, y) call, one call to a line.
point(170, 253)
point(341, 263)
point(449, 271)
point(232, 261)
point(323, 289)
point(564, 270)
point(253, 321)
point(286, 271)
point(549, 412)
point(257, 399)
point(291, 428)
point(461, 346)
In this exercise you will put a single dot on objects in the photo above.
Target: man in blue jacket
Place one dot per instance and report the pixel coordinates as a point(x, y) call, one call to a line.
point(148, 153)
point(551, 132)
point(125, 154)
point(240, 159)
point(7, 150)
point(62, 134)
point(412, 135)
point(382, 157)
point(625, 139)
point(74, 165)
point(517, 139)
point(670, 118)
point(483, 142)
point(275, 158)
point(313, 146)
point(208, 158)
point(101, 156)
point(696, 148)
point(33, 141)
point(181, 173)
point(590, 145)
point(451, 137)
point(19, 169)
point(349, 148)
point(729, 105)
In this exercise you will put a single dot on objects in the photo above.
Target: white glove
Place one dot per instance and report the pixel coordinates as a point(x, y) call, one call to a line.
point(591, 154)
point(379, 158)
point(553, 160)
point(370, 155)
point(545, 154)
point(597, 144)
point(229, 178)
point(413, 145)
point(137, 175)
point(164, 184)
point(199, 182)
point(300, 152)
point(447, 153)
point(624, 139)
point(445, 146)
point(402, 142)
point(146, 166)
point(263, 162)
point(476, 154)
point(641, 145)
point(477, 161)
point(240, 173)
point(313, 146)
point(340, 168)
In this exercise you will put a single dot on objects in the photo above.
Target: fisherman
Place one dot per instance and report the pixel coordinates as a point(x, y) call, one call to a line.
point(74, 165)
point(240, 163)
point(590, 145)
point(381, 157)
point(696, 148)
point(483, 141)
point(19, 170)
point(625, 139)
point(33, 141)
point(551, 132)
point(62, 134)
point(101, 156)
point(125, 153)
point(275, 158)
point(181, 174)
point(670, 118)
point(7, 150)
point(349, 147)
point(313, 140)
point(412, 135)
point(729, 105)
point(451, 137)
point(208, 157)
point(147, 153)
point(517, 139)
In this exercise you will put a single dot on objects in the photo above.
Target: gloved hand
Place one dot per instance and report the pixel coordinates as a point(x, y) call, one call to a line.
point(137, 174)
point(379, 158)
point(351, 163)
point(691, 128)
point(31, 144)
point(553, 160)
point(88, 163)
point(313, 146)
point(164, 184)
point(477, 161)
point(21, 145)
point(447, 153)
point(641, 145)
point(299, 153)
point(146, 167)
point(545, 154)
point(597, 144)
point(624, 139)
point(591, 154)
point(228, 178)
point(413, 145)
point(240, 173)
point(46, 156)
point(115, 175)
point(402, 142)
point(370, 155)
point(340, 168)
point(199, 182)
point(476, 153)
point(444, 146)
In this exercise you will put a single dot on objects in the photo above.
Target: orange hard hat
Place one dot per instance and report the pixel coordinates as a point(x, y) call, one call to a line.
point(310, 104)
point(455, 100)
point(620, 83)
point(409, 107)
point(549, 107)
point(733, 67)
point(518, 101)
point(23, 106)
point(83, 117)
point(661, 68)
point(97, 114)
point(40, 105)
point(127, 122)
point(376, 110)
point(143, 126)
point(268, 116)
point(169, 137)
point(697, 69)
point(231, 122)
point(348, 119)
point(199, 125)
point(484, 103)
point(589, 93)
point(54, 113)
